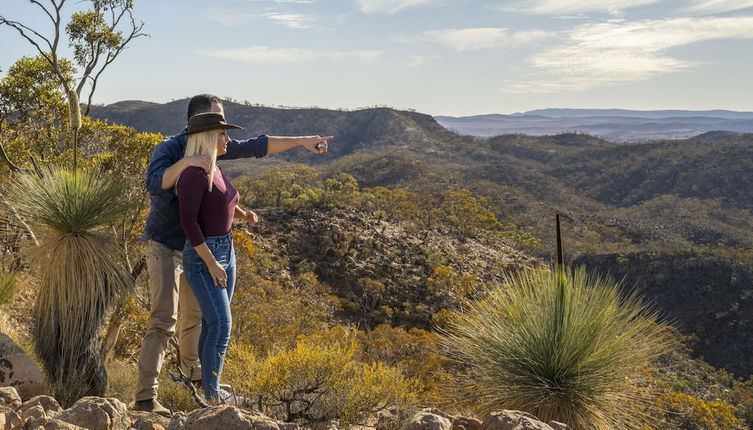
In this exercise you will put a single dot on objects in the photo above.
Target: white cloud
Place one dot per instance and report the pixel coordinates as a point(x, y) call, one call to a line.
point(290, 20)
point(234, 18)
point(417, 60)
point(388, 6)
point(719, 6)
point(230, 18)
point(574, 6)
point(266, 55)
point(593, 55)
point(467, 39)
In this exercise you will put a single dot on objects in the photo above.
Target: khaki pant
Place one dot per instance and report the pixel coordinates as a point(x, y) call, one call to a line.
point(169, 292)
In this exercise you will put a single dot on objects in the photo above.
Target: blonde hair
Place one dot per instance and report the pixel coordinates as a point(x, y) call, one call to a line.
point(205, 142)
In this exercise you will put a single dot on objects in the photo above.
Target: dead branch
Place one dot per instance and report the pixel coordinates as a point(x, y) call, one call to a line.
point(181, 378)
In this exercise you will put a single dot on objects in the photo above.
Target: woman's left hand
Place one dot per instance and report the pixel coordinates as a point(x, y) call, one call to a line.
point(250, 217)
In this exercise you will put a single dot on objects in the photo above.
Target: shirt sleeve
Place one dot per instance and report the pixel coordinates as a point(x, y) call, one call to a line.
point(255, 147)
point(164, 156)
point(192, 185)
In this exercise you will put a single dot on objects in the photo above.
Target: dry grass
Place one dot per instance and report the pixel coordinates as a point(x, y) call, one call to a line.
point(81, 273)
point(563, 347)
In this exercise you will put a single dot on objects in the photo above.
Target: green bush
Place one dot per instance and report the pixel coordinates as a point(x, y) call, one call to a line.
point(563, 347)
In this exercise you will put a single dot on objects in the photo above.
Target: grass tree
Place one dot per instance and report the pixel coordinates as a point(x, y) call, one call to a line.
point(565, 347)
point(82, 272)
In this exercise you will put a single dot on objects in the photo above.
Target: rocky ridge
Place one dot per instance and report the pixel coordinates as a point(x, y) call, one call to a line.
point(97, 413)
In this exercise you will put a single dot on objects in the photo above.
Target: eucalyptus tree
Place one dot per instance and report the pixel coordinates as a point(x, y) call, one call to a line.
point(32, 105)
point(98, 36)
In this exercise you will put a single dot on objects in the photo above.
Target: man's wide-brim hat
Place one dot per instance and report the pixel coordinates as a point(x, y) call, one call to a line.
point(208, 121)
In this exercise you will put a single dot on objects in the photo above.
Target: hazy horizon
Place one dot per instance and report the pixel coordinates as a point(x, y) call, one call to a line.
point(432, 114)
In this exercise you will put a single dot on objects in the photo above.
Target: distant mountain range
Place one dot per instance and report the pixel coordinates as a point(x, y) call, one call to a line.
point(612, 124)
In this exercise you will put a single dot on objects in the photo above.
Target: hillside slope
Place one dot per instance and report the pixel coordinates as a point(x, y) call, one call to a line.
point(662, 198)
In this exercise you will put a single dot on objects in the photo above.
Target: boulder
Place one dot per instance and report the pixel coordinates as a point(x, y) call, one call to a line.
point(558, 426)
point(19, 371)
point(144, 418)
point(142, 424)
point(465, 423)
point(228, 417)
point(34, 412)
point(393, 417)
point(178, 421)
point(9, 397)
point(50, 424)
point(49, 404)
point(429, 419)
point(513, 420)
point(97, 413)
point(9, 419)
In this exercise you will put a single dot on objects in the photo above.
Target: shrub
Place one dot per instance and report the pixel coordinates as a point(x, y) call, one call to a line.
point(317, 380)
point(121, 380)
point(414, 352)
point(693, 413)
point(563, 347)
point(173, 395)
point(133, 326)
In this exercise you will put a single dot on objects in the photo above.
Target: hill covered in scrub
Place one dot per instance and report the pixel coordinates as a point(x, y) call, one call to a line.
point(668, 198)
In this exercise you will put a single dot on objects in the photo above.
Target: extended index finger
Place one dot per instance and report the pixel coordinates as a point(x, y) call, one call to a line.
point(326, 138)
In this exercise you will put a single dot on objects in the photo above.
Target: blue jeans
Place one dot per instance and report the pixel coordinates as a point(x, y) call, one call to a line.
point(214, 302)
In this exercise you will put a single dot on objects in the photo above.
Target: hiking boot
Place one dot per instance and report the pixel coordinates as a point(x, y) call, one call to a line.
point(153, 406)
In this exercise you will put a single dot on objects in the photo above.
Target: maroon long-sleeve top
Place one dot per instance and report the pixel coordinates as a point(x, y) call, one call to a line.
point(203, 213)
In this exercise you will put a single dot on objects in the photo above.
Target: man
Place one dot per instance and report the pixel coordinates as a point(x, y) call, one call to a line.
point(164, 243)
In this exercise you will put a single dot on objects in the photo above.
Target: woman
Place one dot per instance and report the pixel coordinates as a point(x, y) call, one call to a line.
point(208, 202)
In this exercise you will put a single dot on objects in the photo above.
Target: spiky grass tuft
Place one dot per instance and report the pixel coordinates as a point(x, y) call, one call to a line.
point(82, 273)
point(7, 286)
point(68, 202)
point(565, 347)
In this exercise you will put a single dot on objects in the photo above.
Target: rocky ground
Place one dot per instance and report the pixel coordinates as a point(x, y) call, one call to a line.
point(97, 413)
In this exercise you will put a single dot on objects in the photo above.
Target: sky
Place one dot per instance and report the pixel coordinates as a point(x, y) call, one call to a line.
point(441, 57)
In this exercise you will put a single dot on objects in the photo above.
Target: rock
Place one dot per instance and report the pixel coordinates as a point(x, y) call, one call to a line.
point(429, 419)
point(228, 417)
point(49, 404)
point(19, 371)
point(512, 420)
point(34, 412)
point(142, 424)
point(394, 417)
point(148, 417)
point(178, 421)
point(8, 418)
point(466, 423)
point(97, 413)
point(50, 424)
point(558, 426)
point(386, 420)
point(9, 397)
